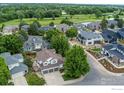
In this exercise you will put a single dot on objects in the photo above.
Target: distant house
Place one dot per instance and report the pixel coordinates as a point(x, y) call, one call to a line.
point(115, 52)
point(15, 64)
point(89, 38)
point(92, 25)
point(46, 28)
point(63, 27)
point(112, 21)
point(120, 33)
point(25, 27)
point(34, 43)
point(48, 61)
point(109, 36)
point(78, 26)
point(8, 30)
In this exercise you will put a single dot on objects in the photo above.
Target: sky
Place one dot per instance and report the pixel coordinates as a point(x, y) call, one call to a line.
point(66, 1)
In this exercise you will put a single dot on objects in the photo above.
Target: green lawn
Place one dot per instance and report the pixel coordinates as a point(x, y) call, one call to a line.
point(46, 21)
point(33, 79)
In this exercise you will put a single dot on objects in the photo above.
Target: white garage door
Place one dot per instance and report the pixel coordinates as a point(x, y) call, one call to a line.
point(18, 74)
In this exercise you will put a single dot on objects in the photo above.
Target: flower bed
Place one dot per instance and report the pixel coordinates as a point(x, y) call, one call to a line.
point(110, 67)
point(97, 55)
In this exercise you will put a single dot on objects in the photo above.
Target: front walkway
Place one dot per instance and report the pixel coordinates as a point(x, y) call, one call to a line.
point(19, 80)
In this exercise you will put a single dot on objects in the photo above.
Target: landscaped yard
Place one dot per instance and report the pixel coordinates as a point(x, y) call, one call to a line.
point(46, 21)
point(95, 52)
point(33, 79)
point(110, 67)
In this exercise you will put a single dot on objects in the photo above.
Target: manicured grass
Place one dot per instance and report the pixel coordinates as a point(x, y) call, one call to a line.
point(46, 21)
point(33, 79)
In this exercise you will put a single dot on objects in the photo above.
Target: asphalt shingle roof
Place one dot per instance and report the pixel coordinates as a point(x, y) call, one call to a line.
point(113, 49)
point(20, 68)
point(89, 35)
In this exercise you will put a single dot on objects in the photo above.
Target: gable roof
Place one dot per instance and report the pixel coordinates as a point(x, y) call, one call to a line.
point(8, 58)
point(32, 40)
point(89, 35)
point(46, 54)
point(113, 49)
point(109, 35)
point(20, 68)
point(10, 28)
point(45, 28)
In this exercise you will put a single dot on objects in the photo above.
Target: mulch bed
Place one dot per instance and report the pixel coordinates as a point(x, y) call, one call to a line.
point(110, 67)
point(95, 54)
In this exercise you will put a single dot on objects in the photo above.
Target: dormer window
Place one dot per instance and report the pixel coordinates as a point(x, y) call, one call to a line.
point(54, 61)
point(45, 63)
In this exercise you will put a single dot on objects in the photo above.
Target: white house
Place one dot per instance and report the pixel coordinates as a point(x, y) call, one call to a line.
point(89, 38)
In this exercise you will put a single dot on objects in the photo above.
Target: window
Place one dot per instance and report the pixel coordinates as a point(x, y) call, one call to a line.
point(51, 70)
point(45, 72)
point(56, 69)
point(89, 42)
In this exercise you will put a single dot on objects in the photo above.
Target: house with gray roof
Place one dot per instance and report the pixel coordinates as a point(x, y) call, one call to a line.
point(112, 21)
point(8, 30)
point(34, 43)
point(15, 64)
point(25, 27)
point(45, 28)
point(63, 27)
point(48, 61)
point(89, 38)
point(120, 33)
point(92, 25)
point(109, 36)
point(115, 52)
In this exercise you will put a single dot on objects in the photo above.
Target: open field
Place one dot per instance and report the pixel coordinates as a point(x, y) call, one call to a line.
point(46, 21)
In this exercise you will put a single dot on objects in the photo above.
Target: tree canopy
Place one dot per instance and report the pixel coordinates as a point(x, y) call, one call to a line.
point(11, 43)
point(104, 23)
point(50, 33)
point(66, 21)
point(72, 32)
point(4, 72)
point(60, 44)
point(76, 62)
point(120, 23)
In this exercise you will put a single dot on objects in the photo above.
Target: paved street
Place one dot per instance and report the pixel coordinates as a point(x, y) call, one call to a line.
point(98, 76)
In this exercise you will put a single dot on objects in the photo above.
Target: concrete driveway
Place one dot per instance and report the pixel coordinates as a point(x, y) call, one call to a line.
point(54, 78)
point(21, 80)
